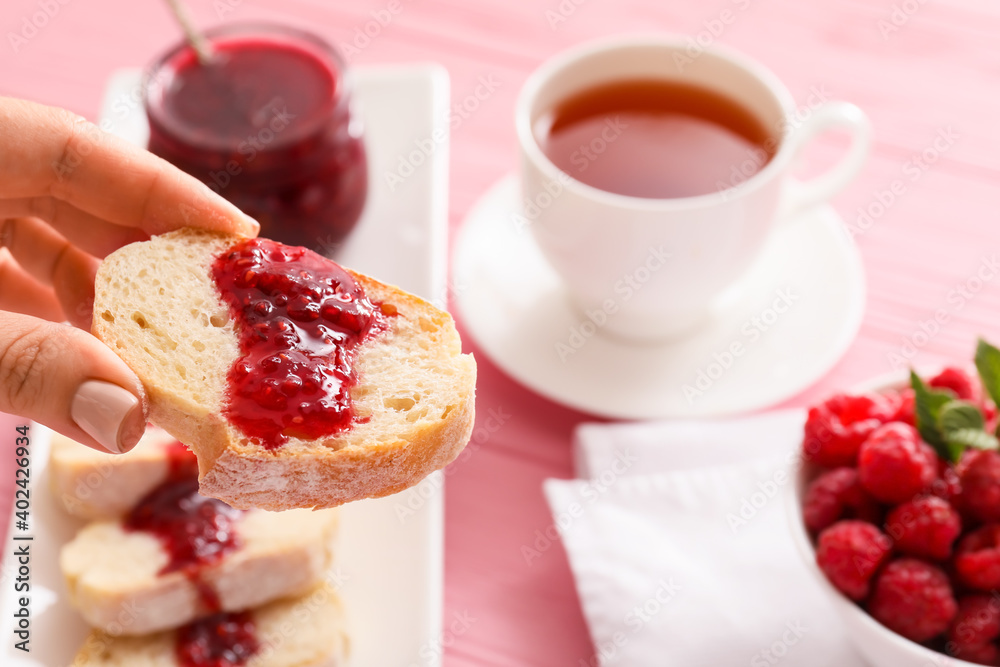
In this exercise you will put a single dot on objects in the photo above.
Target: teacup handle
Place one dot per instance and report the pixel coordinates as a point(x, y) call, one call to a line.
point(800, 195)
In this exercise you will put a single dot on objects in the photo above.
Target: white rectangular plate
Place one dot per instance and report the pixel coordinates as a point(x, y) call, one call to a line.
point(389, 562)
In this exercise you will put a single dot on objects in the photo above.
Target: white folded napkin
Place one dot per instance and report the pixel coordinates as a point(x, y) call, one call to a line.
point(683, 445)
point(680, 547)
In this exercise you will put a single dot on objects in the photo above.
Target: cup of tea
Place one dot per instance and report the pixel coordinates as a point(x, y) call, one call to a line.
point(267, 123)
point(651, 178)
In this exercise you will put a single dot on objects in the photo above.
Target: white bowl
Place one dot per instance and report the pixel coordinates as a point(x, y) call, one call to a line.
point(879, 645)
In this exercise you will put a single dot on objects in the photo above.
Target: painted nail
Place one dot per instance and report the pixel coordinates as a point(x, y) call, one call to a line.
point(254, 225)
point(109, 414)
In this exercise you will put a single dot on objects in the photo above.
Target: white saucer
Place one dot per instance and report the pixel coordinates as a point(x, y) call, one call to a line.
point(513, 305)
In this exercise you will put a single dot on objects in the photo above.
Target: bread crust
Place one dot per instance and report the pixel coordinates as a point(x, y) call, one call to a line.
point(352, 473)
point(317, 474)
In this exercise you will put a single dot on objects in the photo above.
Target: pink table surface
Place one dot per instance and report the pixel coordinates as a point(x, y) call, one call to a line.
point(920, 69)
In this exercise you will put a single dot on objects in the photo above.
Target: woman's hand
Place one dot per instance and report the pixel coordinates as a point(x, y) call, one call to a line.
point(69, 195)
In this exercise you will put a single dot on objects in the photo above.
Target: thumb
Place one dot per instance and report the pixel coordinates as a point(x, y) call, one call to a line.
point(68, 380)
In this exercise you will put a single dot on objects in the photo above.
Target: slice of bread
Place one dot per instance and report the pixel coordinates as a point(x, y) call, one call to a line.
point(158, 308)
point(94, 485)
point(304, 631)
point(113, 575)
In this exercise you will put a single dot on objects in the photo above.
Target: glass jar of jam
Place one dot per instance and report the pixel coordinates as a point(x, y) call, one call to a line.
point(266, 122)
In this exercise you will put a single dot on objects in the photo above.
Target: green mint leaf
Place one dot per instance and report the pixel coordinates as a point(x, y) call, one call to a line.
point(957, 415)
point(988, 365)
point(962, 425)
point(927, 409)
point(974, 438)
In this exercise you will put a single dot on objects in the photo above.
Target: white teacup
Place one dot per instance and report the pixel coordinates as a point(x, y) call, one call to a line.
point(656, 267)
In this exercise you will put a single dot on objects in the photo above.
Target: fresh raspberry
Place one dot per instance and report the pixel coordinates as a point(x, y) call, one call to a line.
point(836, 495)
point(924, 527)
point(964, 460)
point(894, 465)
point(977, 558)
point(836, 428)
point(958, 381)
point(849, 553)
point(947, 486)
point(905, 407)
point(914, 599)
point(979, 472)
point(975, 627)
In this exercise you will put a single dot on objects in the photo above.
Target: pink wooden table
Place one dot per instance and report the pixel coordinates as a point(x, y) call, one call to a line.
point(921, 70)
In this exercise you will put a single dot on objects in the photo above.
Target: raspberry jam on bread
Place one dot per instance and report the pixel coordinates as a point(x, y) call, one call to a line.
point(222, 640)
point(298, 383)
point(195, 531)
point(300, 320)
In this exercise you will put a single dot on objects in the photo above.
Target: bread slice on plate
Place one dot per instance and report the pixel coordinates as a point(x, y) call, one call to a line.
point(116, 581)
point(94, 485)
point(158, 306)
point(304, 631)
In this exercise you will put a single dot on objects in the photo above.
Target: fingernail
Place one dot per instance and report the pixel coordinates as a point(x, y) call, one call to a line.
point(109, 414)
point(222, 205)
point(253, 224)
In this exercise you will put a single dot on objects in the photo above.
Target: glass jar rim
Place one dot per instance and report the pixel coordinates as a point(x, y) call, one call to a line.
point(153, 76)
